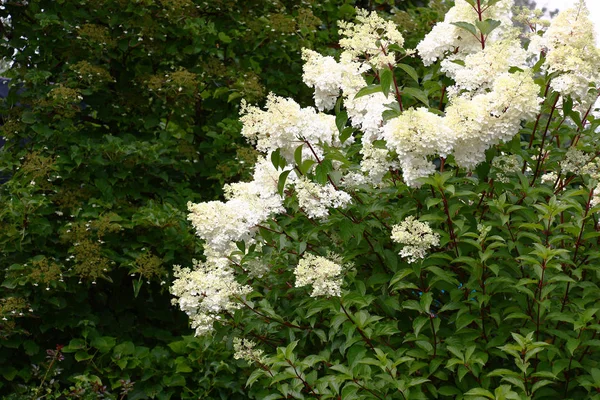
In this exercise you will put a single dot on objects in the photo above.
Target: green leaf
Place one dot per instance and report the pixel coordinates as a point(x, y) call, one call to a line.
point(289, 350)
point(74, 345)
point(466, 26)
point(298, 155)
point(224, 38)
point(487, 26)
point(103, 343)
point(182, 365)
point(124, 349)
point(417, 94)
point(178, 347)
point(491, 2)
point(278, 160)
point(281, 183)
point(385, 78)
point(174, 380)
point(346, 133)
point(8, 372)
point(306, 166)
point(410, 71)
point(254, 376)
point(400, 275)
point(28, 117)
point(137, 285)
point(480, 392)
point(449, 391)
point(31, 348)
point(82, 355)
point(367, 90)
point(340, 121)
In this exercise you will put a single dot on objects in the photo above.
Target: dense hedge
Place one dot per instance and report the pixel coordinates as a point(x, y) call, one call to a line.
point(119, 113)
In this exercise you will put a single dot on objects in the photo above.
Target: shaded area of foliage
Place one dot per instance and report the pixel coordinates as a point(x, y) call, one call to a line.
point(129, 110)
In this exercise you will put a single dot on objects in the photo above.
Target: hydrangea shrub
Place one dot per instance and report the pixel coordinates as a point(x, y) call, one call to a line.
point(411, 240)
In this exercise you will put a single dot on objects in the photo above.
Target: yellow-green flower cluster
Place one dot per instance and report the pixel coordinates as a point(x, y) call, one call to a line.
point(417, 238)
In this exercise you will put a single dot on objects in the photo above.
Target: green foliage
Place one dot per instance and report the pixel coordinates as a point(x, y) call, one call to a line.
point(505, 307)
point(119, 113)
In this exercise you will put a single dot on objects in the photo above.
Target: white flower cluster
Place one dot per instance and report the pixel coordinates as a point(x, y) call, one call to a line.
point(324, 274)
point(316, 199)
point(595, 196)
point(284, 126)
point(490, 118)
point(505, 165)
point(204, 292)
point(248, 204)
point(375, 162)
point(417, 238)
point(415, 135)
point(324, 75)
point(329, 79)
point(481, 68)
point(487, 103)
point(549, 178)
point(447, 38)
point(244, 350)
point(575, 161)
point(570, 51)
point(370, 38)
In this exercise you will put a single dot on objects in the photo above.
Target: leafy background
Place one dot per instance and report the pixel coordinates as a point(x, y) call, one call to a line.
point(120, 112)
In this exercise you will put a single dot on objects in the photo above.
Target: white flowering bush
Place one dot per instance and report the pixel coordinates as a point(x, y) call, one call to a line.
point(429, 230)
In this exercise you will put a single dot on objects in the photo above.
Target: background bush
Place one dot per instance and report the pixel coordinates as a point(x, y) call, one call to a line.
point(119, 113)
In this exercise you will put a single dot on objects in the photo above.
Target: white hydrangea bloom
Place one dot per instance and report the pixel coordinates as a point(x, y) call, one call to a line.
point(415, 168)
point(364, 112)
point(375, 163)
point(370, 38)
point(316, 199)
point(325, 275)
point(417, 238)
point(284, 125)
point(596, 196)
point(481, 68)
point(445, 37)
point(505, 165)
point(570, 51)
point(549, 178)
point(490, 118)
point(329, 79)
point(220, 223)
point(575, 161)
point(248, 204)
point(592, 169)
point(205, 291)
point(245, 350)
point(416, 135)
point(324, 74)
